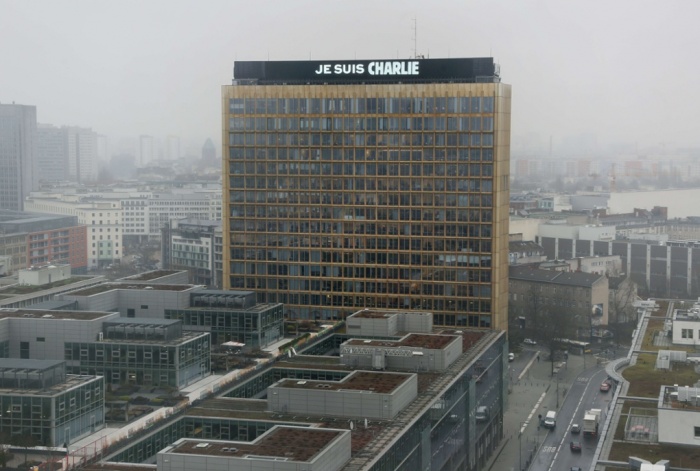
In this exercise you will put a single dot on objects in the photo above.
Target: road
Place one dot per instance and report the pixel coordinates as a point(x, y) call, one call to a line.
point(532, 392)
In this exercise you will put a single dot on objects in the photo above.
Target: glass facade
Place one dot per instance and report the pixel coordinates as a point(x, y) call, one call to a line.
point(340, 197)
point(56, 419)
point(158, 364)
point(255, 328)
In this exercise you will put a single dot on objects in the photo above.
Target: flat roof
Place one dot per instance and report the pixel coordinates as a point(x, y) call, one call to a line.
point(291, 443)
point(357, 381)
point(143, 321)
point(103, 288)
point(27, 364)
point(433, 342)
point(72, 381)
point(52, 315)
point(150, 275)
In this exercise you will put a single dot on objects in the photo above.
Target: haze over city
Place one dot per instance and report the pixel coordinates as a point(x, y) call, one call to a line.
point(584, 73)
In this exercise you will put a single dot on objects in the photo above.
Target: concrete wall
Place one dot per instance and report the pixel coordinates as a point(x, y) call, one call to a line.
point(678, 326)
point(416, 322)
point(525, 226)
point(343, 403)
point(332, 458)
point(44, 275)
point(373, 326)
point(55, 332)
point(677, 426)
point(122, 299)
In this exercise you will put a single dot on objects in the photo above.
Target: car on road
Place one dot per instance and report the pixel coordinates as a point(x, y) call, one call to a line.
point(575, 468)
point(511, 356)
point(529, 342)
point(605, 386)
point(575, 446)
point(575, 428)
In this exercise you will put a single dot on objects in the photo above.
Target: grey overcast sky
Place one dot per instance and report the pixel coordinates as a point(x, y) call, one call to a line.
point(619, 71)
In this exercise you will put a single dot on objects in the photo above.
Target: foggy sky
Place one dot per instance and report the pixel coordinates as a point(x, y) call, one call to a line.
point(618, 71)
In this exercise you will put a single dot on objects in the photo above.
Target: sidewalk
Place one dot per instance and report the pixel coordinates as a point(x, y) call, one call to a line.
point(533, 393)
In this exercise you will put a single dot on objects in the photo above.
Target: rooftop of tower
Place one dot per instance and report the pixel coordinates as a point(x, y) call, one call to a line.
point(377, 71)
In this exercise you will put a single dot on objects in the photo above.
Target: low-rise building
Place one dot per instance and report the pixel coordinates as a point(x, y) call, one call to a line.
point(686, 325)
point(189, 244)
point(42, 239)
point(38, 398)
point(581, 295)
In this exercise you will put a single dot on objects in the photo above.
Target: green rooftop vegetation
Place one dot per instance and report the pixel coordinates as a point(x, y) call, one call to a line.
point(26, 289)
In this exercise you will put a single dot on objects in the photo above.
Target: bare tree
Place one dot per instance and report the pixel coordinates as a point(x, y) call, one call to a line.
point(623, 293)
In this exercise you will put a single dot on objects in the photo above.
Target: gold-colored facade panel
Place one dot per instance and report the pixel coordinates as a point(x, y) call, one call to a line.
point(378, 196)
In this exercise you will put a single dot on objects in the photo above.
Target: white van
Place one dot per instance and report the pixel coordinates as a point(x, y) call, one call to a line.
point(550, 420)
point(482, 414)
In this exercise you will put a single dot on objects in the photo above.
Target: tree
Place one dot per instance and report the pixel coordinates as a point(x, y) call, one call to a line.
point(554, 323)
point(623, 293)
point(548, 319)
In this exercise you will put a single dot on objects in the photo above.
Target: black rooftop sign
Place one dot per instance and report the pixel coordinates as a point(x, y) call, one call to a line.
point(480, 69)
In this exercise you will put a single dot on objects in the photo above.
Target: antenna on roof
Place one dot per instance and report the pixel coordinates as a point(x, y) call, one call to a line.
point(415, 38)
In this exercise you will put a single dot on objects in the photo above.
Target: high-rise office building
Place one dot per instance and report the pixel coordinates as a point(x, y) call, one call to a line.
point(81, 145)
point(146, 150)
point(18, 174)
point(52, 153)
point(172, 147)
point(377, 184)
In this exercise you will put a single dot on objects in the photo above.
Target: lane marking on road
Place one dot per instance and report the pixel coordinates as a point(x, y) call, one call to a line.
point(532, 412)
point(571, 422)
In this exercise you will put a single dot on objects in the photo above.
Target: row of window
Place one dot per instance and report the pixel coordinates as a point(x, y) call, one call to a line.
point(450, 123)
point(401, 105)
point(360, 169)
point(362, 139)
point(425, 154)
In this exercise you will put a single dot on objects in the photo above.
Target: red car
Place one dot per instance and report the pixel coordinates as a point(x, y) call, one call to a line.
point(605, 386)
point(575, 446)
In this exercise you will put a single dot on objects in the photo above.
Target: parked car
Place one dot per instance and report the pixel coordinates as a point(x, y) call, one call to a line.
point(575, 428)
point(605, 386)
point(575, 468)
point(575, 446)
point(511, 356)
point(529, 342)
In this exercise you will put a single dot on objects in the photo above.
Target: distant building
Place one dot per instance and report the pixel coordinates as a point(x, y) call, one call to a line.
point(209, 151)
point(103, 219)
point(172, 148)
point(191, 244)
point(47, 239)
point(81, 146)
point(52, 153)
point(525, 252)
point(18, 148)
point(146, 153)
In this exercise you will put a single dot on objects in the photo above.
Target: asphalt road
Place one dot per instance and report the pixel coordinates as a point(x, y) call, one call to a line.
point(582, 394)
point(532, 392)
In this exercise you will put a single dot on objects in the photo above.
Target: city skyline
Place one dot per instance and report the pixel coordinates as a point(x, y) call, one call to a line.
point(163, 64)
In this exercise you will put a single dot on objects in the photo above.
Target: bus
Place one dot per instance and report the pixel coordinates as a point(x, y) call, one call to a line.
point(575, 346)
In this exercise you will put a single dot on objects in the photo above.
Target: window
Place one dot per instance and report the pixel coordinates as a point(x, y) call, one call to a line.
point(72, 402)
point(687, 333)
point(144, 306)
point(697, 432)
point(115, 353)
point(41, 339)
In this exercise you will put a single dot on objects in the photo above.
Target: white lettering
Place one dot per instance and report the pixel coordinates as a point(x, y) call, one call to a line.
point(393, 68)
point(373, 68)
point(323, 69)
